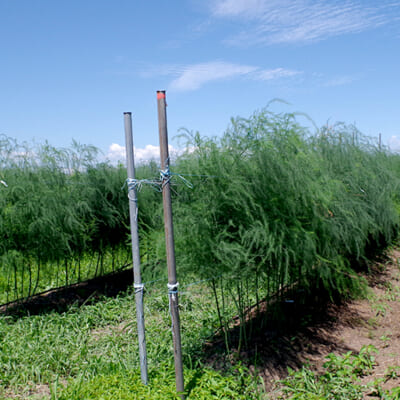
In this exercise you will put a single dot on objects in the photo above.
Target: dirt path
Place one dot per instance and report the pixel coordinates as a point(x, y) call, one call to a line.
point(373, 321)
point(376, 321)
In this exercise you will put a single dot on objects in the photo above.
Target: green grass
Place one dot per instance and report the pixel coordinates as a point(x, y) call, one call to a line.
point(92, 352)
point(201, 384)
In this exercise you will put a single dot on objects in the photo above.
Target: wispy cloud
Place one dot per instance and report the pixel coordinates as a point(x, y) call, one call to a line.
point(301, 21)
point(340, 81)
point(233, 8)
point(277, 73)
point(193, 76)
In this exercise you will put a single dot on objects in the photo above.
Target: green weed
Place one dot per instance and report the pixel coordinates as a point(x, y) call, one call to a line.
point(339, 381)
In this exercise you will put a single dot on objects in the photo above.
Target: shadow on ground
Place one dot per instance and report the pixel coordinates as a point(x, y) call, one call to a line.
point(61, 299)
point(289, 334)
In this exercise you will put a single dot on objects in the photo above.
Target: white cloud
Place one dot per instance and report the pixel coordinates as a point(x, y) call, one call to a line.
point(149, 153)
point(300, 21)
point(116, 153)
point(194, 76)
point(394, 143)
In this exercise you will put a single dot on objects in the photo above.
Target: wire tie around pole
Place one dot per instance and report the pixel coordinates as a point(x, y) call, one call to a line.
point(139, 287)
point(173, 288)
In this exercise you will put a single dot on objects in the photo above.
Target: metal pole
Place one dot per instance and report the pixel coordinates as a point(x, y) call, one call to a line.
point(380, 141)
point(133, 213)
point(169, 241)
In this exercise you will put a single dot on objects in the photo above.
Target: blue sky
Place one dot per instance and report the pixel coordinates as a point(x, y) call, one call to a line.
point(69, 69)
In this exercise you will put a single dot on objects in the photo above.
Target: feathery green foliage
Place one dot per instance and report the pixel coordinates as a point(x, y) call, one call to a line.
point(284, 205)
point(272, 207)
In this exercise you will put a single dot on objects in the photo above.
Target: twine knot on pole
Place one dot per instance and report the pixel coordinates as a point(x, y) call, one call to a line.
point(137, 184)
point(165, 176)
point(133, 184)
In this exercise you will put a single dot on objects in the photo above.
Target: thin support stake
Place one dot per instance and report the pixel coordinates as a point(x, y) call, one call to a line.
point(169, 241)
point(133, 213)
